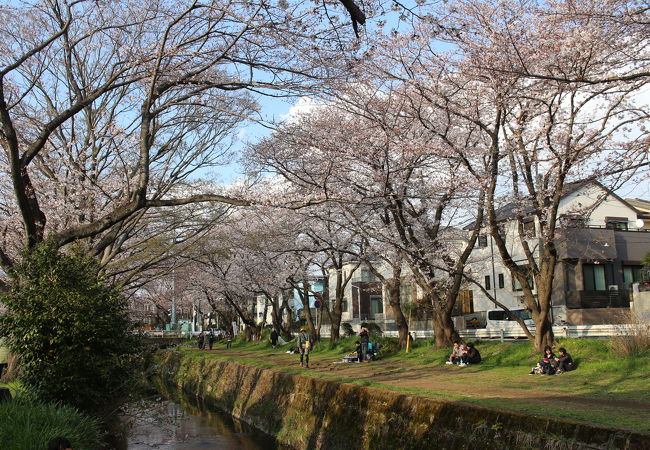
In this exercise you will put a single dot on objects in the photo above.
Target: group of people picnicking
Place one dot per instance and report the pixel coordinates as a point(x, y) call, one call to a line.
point(552, 364)
point(464, 354)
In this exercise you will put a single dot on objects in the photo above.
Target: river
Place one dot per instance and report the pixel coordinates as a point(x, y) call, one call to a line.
point(167, 425)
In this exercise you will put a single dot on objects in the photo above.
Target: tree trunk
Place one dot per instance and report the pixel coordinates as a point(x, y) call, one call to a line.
point(444, 329)
point(337, 310)
point(394, 300)
point(304, 297)
point(543, 317)
point(285, 330)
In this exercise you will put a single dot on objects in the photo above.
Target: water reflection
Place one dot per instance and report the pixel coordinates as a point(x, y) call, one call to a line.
point(166, 425)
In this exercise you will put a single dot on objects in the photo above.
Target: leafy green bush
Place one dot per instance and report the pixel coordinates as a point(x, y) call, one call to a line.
point(34, 424)
point(374, 330)
point(347, 329)
point(71, 330)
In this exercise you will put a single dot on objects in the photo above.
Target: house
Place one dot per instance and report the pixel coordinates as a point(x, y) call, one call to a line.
point(601, 240)
point(366, 299)
point(314, 285)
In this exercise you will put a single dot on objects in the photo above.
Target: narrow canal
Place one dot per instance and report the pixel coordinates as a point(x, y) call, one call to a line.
point(167, 425)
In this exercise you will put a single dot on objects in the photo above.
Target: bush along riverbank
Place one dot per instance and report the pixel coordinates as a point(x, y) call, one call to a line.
point(306, 412)
point(29, 425)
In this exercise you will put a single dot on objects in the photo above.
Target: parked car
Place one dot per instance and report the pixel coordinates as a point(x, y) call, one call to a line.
point(497, 319)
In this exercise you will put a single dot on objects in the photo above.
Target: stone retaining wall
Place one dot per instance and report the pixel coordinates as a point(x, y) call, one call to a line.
point(312, 413)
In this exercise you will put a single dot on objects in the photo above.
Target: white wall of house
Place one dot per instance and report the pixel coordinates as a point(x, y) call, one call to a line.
point(595, 205)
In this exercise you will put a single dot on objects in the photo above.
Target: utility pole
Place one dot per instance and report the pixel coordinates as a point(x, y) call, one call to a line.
point(173, 298)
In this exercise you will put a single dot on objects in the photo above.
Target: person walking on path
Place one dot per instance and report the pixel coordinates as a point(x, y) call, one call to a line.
point(228, 339)
point(274, 338)
point(304, 344)
point(364, 338)
point(201, 341)
point(211, 338)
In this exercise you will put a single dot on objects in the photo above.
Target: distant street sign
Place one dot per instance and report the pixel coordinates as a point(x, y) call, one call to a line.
point(317, 303)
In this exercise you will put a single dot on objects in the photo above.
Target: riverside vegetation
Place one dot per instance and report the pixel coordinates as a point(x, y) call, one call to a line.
point(79, 360)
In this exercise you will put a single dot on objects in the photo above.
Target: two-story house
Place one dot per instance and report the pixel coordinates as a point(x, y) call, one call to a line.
point(601, 241)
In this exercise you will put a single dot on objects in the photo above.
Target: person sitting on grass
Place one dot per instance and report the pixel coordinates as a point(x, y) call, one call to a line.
point(357, 350)
point(546, 366)
point(470, 355)
point(564, 362)
point(456, 353)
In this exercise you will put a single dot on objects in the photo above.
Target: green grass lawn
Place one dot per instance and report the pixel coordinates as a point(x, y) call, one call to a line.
point(606, 388)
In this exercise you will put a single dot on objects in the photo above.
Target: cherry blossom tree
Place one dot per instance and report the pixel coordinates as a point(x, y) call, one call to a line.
point(364, 149)
point(107, 107)
point(553, 96)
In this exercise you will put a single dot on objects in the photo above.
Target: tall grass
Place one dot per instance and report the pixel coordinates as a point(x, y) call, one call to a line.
point(27, 425)
point(632, 339)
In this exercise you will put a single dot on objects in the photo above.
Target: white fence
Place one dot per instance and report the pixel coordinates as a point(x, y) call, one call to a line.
point(570, 331)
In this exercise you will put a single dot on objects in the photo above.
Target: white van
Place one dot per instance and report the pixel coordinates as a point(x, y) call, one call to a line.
point(497, 319)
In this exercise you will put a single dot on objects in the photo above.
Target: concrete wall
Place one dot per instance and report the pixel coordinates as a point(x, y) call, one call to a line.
point(597, 316)
point(313, 413)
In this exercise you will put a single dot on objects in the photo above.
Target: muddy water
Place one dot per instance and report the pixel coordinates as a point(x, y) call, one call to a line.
point(167, 425)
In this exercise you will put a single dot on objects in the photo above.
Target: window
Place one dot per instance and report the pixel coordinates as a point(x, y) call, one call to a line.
point(405, 293)
point(616, 223)
point(594, 277)
point(516, 285)
point(631, 274)
point(529, 228)
point(376, 304)
point(501, 315)
point(482, 240)
point(466, 301)
point(502, 282)
point(488, 285)
point(367, 276)
point(344, 306)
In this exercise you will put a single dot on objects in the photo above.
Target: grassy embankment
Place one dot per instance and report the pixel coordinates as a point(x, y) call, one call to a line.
point(607, 388)
point(27, 425)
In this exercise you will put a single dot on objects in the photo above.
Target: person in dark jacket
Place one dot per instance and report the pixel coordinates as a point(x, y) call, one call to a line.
point(201, 341)
point(364, 338)
point(274, 338)
point(564, 362)
point(470, 355)
point(211, 338)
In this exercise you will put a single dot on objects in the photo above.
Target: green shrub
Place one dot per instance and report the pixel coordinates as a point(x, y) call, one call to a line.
point(33, 425)
point(347, 329)
point(71, 330)
point(374, 330)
